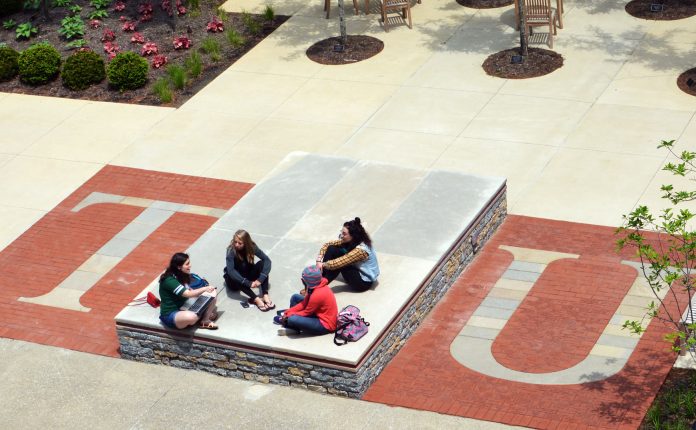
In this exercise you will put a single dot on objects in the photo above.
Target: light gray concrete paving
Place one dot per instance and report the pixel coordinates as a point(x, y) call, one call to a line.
point(54, 388)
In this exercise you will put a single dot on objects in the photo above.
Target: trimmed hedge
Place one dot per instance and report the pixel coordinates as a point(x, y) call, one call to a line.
point(127, 71)
point(39, 64)
point(9, 63)
point(82, 69)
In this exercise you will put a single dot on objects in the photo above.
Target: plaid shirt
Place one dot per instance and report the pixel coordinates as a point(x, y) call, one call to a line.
point(356, 255)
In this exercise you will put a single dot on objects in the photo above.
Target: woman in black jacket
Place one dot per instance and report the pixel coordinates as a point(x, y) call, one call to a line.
point(242, 273)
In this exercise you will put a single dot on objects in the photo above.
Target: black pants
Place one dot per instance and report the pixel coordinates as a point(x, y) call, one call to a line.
point(351, 274)
point(252, 275)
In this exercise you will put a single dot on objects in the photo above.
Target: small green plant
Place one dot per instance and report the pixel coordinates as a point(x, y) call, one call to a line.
point(100, 4)
point(61, 3)
point(252, 26)
point(71, 27)
point(127, 71)
point(76, 44)
point(162, 91)
point(177, 76)
point(82, 69)
point(194, 64)
point(9, 66)
point(75, 9)
point(211, 47)
point(9, 24)
point(39, 64)
point(26, 30)
point(654, 416)
point(194, 5)
point(99, 14)
point(269, 13)
point(32, 4)
point(234, 38)
point(222, 14)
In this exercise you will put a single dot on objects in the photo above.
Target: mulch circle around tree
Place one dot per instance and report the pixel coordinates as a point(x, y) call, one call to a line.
point(485, 4)
point(671, 9)
point(538, 62)
point(357, 48)
point(683, 82)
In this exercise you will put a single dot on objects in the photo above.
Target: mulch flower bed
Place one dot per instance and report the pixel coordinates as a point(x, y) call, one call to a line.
point(538, 62)
point(357, 48)
point(671, 9)
point(134, 24)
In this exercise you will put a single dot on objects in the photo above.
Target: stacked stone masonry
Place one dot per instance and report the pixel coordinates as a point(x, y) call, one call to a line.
point(332, 378)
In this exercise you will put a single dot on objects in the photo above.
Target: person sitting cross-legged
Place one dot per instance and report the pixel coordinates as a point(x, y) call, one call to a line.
point(315, 312)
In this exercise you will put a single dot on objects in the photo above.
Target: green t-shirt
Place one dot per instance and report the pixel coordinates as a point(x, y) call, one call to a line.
point(171, 295)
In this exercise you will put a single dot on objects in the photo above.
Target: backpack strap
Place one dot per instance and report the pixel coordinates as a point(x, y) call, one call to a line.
point(338, 337)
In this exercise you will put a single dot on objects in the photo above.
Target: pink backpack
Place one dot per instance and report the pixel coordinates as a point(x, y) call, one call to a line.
point(350, 327)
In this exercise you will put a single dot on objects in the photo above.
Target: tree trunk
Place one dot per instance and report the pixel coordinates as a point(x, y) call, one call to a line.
point(44, 10)
point(342, 23)
point(523, 29)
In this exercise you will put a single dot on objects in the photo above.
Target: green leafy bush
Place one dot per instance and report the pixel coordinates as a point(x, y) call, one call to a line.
point(100, 4)
point(194, 64)
point(72, 26)
point(79, 43)
point(26, 30)
point(99, 14)
point(61, 3)
point(31, 4)
point(127, 71)
point(9, 66)
point(39, 64)
point(9, 24)
point(161, 89)
point(82, 69)
point(8, 7)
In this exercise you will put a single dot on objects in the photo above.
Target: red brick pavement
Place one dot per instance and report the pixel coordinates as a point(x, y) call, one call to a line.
point(61, 241)
point(554, 328)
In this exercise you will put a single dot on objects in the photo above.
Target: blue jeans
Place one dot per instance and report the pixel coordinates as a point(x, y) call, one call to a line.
point(307, 325)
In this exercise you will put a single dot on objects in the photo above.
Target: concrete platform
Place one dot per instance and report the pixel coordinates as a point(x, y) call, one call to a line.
point(426, 226)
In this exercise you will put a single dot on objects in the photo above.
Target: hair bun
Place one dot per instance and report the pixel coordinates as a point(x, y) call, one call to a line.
point(357, 220)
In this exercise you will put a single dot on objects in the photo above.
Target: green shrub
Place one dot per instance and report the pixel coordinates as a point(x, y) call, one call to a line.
point(234, 38)
point(194, 64)
point(177, 76)
point(211, 47)
point(252, 26)
point(26, 31)
point(82, 69)
point(9, 66)
point(8, 7)
point(61, 3)
point(161, 89)
point(39, 64)
point(71, 27)
point(127, 71)
point(269, 13)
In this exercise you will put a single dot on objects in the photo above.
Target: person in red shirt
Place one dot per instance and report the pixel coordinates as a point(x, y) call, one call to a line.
point(315, 312)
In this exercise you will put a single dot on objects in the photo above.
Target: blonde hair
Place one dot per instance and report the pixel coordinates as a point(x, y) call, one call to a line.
point(249, 246)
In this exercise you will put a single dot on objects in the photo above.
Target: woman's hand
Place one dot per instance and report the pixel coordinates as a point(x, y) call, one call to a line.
point(320, 265)
point(255, 284)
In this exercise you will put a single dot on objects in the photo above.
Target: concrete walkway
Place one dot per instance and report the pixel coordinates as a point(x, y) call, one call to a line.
point(577, 145)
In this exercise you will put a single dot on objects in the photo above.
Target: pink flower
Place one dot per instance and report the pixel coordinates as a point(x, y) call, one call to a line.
point(108, 35)
point(182, 42)
point(149, 48)
point(137, 38)
point(119, 6)
point(111, 48)
point(159, 61)
point(215, 25)
point(95, 23)
point(128, 26)
point(145, 8)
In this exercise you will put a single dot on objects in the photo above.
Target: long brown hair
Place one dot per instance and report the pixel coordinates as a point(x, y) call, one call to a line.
point(174, 269)
point(249, 246)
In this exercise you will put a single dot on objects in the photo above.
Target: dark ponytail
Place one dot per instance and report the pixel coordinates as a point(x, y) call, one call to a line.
point(175, 263)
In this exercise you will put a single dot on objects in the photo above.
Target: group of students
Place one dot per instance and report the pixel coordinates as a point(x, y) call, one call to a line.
point(312, 311)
